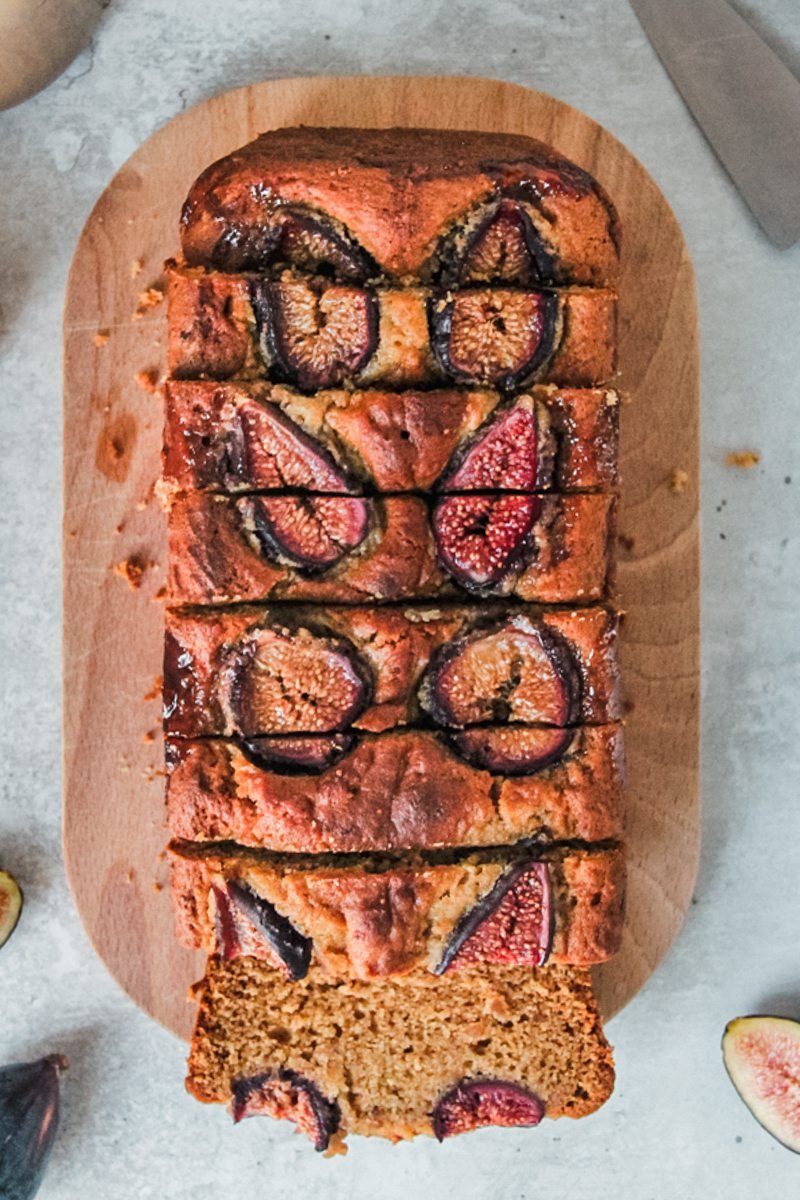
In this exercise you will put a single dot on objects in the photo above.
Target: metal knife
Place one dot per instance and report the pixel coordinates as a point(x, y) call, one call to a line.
point(745, 100)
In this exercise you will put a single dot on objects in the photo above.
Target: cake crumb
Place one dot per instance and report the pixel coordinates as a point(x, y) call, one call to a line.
point(101, 337)
point(136, 267)
point(336, 1145)
point(678, 480)
point(155, 691)
point(150, 298)
point(150, 736)
point(148, 380)
point(158, 887)
point(744, 459)
point(160, 594)
point(132, 569)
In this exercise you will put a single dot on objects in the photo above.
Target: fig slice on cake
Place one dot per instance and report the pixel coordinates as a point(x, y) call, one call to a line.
point(512, 923)
point(762, 1058)
point(473, 1103)
point(502, 247)
point(502, 456)
point(266, 449)
point(318, 336)
point(299, 754)
point(511, 749)
point(484, 540)
point(288, 1095)
point(246, 923)
point(312, 533)
point(497, 336)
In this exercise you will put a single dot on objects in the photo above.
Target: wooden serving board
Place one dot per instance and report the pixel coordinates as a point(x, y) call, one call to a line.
point(113, 830)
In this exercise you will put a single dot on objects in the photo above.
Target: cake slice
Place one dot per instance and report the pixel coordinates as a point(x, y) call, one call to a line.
point(370, 917)
point(315, 334)
point(404, 789)
point(398, 1057)
point(349, 549)
point(229, 437)
point(297, 670)
point(446, 205)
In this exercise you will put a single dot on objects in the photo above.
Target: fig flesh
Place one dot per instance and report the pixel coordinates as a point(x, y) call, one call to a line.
point(287, 1095)
point(501, 457)
point(518, 672)
point(298, 754)
point(512, 750)
point(248, 924)
point(504, 247)
point(497, 336)
point(319, 336)
point(10, 905)
point(265, 449)
point(762, 1058)
point(312, 533)
point(473, 1103)
point(29, 1114)
point(284, 681)
point(483, 540)
point(512, 923)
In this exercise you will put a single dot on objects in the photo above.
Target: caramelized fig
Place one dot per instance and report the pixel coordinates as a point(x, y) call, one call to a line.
point(309, 532)
point(248, 924)
point(519, 671)
point(29, 1113)
point(283, 681)
point(493, 335)
point(762, 1058)
point(285, 1094)
point(318, 336)
point(314, 244)
point(266, 449)
point(473, 1103)
point(512, 923)
point(504, 247)
point(501, 457)
point(510, 749)
point(482, 540)
point(10, 905)
point(299, 754)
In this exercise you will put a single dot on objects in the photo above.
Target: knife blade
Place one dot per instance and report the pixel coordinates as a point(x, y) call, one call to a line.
point(745, 100)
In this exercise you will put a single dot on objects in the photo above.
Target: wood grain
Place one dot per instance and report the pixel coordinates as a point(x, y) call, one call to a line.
point(113, 830)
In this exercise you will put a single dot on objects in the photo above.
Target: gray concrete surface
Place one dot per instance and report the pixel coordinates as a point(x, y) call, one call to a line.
point(674, 1130)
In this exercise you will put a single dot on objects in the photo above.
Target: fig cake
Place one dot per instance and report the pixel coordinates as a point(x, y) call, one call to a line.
point(391, 689)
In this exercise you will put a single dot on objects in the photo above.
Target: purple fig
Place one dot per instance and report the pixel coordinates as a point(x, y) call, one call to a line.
point(512, 923)
point(473, 1103)
point(288, 1095)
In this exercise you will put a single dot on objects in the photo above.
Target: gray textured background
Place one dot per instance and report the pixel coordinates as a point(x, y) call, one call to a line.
point(674, 1129)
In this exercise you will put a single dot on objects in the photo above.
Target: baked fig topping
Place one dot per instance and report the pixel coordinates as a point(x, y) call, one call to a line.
point(299, 754)
point(504, 247)
point(287, 1095)
point(312, 243)
point(283, 681)
point(473, 1103)
point(309, 532)
point(493, 335)
point(501, 457)
point(266, 449)
point(520, 672)
point(483, 540)
point(248, 924)
point(512, 923)
point(762, 1058)
point(512, 750)
point(10, 905)
point(318, 336)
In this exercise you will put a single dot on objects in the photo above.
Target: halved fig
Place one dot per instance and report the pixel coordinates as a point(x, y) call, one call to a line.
point(246, 923)
point(320, 336)
point(519, 671)
point(312, 243)
point(266, 449)
point(501, 457)
point(283, 681)
point(10, 905)
point(473, 1103)
point(299, 754)
point(309, 532)
point(762, 1058)
point(482, 540)
point(511, 750)
point(285, 1094)
point(512, 923)
point(504, 247)
point(493, 335)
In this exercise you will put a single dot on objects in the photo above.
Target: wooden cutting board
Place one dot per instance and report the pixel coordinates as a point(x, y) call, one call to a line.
point(115, 537)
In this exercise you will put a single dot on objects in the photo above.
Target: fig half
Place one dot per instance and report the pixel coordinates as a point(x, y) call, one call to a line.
point(312, 533)
point(762, 1058)
point(299, 754)
point(502, 456)
point(483, 540)
point(266, 449)
point(318, 336)
point(248, 924)
point(497, 336)
point(518, 671)
point(512, 923)
point(511, 750)
point(503, 247)
point(473, 1103)
point(10, 905)
point(287, 1095)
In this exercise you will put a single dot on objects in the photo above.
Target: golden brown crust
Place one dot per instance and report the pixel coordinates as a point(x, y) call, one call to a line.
point(409, 1039)
point(214, 332)
point(388, 441)
point(217, 555)
point(399, 192)
point(400, 790)
point(369, 919)
point(204, 651)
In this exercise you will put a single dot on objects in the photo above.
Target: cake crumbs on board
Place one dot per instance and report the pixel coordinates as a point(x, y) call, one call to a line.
point(678, 480)
point(150, 298)
point(745, 460)
point(132, 569)
point(101, 337)
point(148, 380)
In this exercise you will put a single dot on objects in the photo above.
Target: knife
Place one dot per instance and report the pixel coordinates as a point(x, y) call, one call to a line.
point(745, 100)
